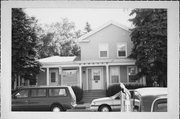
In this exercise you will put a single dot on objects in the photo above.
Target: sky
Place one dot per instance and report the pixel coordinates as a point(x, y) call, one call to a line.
point(95, 17)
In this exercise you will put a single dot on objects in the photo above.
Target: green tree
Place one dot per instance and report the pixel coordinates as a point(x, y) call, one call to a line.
point(59, 39)
point(149, 37)
point(24, 53)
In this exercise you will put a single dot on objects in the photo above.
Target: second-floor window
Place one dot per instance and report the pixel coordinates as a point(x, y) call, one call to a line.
point(103, 50)
point(121, 50)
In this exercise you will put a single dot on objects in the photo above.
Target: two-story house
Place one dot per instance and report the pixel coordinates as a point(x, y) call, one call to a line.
point(103, 61)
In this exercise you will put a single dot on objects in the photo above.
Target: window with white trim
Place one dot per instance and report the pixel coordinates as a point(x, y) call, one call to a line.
point(132, 71)
point(114, 75)
point(121, 50)
point(53, 77)
point(103, 51)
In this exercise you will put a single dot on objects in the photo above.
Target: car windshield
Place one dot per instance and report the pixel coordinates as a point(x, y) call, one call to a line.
point(116, 95)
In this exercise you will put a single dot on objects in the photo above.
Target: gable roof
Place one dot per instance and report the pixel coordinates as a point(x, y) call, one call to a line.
point(82, 38)
point(57, 59)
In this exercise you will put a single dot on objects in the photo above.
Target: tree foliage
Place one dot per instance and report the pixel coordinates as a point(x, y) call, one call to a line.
point(59, 39)
point(149, 37)
point(24, 39)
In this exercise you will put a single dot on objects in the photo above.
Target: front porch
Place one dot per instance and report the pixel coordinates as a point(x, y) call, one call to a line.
point(89, 75)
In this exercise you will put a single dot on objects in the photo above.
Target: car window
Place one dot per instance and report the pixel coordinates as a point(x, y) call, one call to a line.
point(57, 92)
point(117, 98)
point(38, 92)
point(136, 95)
point(22, 94)
point(161, 107)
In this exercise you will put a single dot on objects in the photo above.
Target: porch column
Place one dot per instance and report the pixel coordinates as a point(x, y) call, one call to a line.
point(107, 75)
point(47, 76)
point(60, 76)
point(80, 76)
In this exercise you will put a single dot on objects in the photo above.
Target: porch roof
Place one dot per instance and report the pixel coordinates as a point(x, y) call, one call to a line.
point(123, 60)
point(71, 61)
point(57, 59)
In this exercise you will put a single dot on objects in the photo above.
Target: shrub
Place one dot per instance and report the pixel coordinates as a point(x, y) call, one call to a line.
point(78, 92)
point(113, 89)
point(134, 86)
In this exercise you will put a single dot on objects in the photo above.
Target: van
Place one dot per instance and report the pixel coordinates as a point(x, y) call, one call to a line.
point(44, 98)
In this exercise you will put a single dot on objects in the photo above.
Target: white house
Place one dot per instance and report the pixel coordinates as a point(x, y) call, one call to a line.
point(103, 61)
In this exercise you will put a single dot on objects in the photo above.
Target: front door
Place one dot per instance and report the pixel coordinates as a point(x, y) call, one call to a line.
point(53, 77)
point(97, 80)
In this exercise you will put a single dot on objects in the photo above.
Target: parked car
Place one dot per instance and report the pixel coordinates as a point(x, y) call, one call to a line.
point(43, 98)
point(143, 99)
point(106, 104)
point(146, 98)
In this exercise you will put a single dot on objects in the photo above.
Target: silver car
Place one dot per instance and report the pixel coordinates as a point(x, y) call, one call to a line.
point(107, 104)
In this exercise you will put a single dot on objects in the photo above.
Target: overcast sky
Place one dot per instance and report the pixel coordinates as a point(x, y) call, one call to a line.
point(95, 17)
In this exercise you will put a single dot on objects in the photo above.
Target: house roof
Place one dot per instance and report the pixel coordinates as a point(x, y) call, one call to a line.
point(57, 59)
point(83, 38)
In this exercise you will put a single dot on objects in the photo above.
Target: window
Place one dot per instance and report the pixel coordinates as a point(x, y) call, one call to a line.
point(53, 77)
point(38, 92)
point(103, 50)
point(131, 73)
point(121, 50)
point(96, 76)
point(161, 107)
point(103, 53)
point(57, 92)
point(22, 94)
point(114, 75)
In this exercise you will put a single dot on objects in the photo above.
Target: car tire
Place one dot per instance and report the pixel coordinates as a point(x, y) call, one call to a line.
point(56, 108)
point(104, 108)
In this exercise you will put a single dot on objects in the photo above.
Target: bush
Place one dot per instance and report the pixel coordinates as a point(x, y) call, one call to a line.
point(78, 92)
point(113, 89)
point(134, 86)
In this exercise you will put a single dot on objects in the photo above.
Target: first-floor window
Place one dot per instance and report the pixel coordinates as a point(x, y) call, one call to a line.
point(53, 77)
point(114, 75)
point(132, 71)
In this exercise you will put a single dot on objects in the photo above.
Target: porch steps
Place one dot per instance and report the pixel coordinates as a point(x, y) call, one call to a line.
point(89, 95)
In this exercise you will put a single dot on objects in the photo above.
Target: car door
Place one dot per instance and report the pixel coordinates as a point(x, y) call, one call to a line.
point(20, 100)
point(38, 99)
point(116, 102)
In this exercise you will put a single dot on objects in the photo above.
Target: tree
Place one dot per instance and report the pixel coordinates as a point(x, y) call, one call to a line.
point(24, 53)
point(59, 39)
point(149, 37)
point(87, 28)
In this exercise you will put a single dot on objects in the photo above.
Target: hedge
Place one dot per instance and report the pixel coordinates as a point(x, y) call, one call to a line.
point(113, 89)
point(78, 92)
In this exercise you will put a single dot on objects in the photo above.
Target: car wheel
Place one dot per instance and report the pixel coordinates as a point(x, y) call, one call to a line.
point(56, 108)
point(104, 108)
